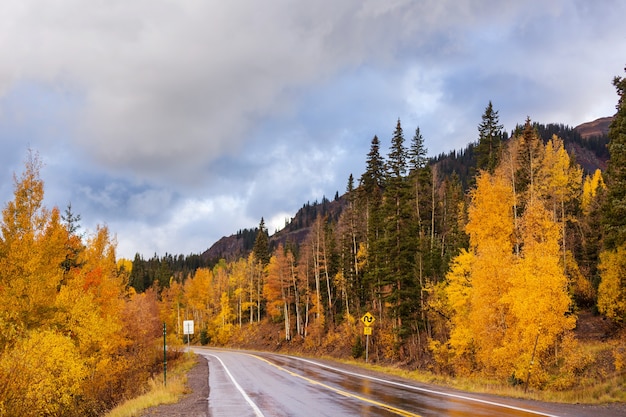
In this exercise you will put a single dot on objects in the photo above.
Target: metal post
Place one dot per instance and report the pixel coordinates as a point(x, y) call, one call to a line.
point(367, 347)
point(164, 355)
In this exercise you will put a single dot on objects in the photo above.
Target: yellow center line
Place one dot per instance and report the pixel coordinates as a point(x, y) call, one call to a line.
point(340, 391)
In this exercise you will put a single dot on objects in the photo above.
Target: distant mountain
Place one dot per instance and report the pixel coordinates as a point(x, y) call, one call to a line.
point(599, 127)
point(591, 151)
point(231, 247)
point(586, 142)
point(295, 231)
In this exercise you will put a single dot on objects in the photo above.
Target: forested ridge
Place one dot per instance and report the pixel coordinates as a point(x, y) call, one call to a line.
point(478, 264)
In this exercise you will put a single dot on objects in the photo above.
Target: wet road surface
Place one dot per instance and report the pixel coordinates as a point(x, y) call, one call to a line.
point(264, 384)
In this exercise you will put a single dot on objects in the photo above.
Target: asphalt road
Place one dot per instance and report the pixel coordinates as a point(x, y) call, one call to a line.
point(264, 384)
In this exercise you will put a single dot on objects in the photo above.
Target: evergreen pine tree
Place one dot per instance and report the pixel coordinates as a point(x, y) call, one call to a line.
point(614, 218)
point(399, 239)
point(350, 249)
point(138, 275)
point(417, 152)
point(489, 140)
point(261, 247)
point(372, 178)
point(529, 156)
point(73, 245)
point(370, 201)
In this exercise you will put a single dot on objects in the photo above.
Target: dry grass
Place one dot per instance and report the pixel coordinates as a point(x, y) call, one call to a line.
point(158, 393)
point(599, 388)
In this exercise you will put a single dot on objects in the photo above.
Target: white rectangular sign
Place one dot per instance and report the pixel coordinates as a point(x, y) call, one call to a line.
point(188, 327)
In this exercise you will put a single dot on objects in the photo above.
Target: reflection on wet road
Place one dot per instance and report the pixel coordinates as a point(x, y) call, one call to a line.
point(263, 384)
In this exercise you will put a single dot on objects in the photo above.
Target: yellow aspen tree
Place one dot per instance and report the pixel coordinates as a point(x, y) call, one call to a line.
point(297, 292)
point(278, 288)
point(238, 283)
point(479, 278)
point(253, 282)
point(304, 276)
point(559, 183)
point(198, 292)
point(79, 316)
point(221, 278)
point(171, 308)
point(125, 265)
point(42, 375)
point(455, 302)
point(490, 226)
point(222, 324)
point(319, 255)
point(104, 289)
point(537, 298)
point(31, 252)
point(591, 185)
point(612, 289)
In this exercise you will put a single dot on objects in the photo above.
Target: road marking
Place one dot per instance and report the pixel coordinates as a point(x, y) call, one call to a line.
point(339, 391)
point(256, 409)
point(430, 391)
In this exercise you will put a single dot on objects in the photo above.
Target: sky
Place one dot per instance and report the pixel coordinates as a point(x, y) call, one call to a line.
point(177, 122)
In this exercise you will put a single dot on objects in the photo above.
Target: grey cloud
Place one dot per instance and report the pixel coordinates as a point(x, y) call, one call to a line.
point(170, 81)
point(178, 121)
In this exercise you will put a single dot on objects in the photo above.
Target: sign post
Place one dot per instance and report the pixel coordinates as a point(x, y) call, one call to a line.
point(188, 329)
point(164, 355)
point(367, 320)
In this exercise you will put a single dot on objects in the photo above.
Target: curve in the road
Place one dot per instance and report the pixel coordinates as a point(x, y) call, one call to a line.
point(416, 388)
point(339, 391)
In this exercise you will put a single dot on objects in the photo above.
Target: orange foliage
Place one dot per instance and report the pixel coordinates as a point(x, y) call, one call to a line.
point(71, 341)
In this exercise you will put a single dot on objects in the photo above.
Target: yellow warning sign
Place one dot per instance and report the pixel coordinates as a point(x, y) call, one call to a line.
point(367, 330)
point(367, 319)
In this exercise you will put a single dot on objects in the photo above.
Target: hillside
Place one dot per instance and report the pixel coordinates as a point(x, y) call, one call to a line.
point(586, 142)
point(599, 127)
point(240, 245)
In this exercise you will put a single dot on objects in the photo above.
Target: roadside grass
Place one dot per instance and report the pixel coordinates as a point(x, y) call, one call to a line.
point(158, 393)
point(592, 391)
point(609, 391)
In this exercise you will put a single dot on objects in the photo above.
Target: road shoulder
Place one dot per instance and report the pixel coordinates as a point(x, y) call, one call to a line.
point(194, 404)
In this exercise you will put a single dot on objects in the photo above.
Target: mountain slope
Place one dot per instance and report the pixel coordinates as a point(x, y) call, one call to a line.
point(586, 142)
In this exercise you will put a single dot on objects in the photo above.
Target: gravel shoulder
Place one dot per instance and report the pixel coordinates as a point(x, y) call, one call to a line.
point(194, 404)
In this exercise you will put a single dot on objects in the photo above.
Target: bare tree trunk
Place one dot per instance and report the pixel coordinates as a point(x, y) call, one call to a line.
point(515, 221)
point(239, 311)
point(432, 216)
point(316, 271)
point(177, 318)
point(287, 321)
point(564, 250)
point(296, 292)
point(258, 293)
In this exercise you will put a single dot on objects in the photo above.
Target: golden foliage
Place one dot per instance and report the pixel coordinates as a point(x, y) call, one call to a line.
point(198, 296)
point(69, 344)
point(42, 374)
point(506, 310)
point(612, 289)
point(591, 185)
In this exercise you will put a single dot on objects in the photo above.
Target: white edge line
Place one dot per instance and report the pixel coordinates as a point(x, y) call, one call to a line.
point(430, 391)
point(256, 409)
